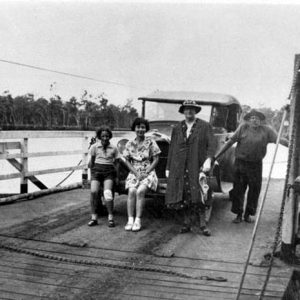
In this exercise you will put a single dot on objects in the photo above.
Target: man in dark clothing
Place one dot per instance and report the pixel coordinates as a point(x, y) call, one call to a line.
point(252, 139)
point(191, 149)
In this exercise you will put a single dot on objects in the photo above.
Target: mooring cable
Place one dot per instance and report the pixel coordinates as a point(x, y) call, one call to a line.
point(98, 263)
point(93, 140)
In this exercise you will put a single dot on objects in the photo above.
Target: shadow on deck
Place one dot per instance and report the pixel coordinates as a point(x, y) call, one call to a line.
point(114, 264)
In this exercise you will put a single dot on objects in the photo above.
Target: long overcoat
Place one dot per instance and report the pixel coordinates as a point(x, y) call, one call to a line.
point(188, 154)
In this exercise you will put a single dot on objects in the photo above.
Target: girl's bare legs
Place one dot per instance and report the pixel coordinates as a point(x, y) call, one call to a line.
point(140, 200)
point(95, 188)
point(131, 203)
point(140, 203)
point(108, 197)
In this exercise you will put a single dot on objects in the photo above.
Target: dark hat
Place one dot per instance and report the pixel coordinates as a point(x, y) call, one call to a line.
point(254, 112)
point(189, 103)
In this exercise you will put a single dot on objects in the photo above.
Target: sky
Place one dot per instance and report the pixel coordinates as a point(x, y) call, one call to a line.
point(245, 50)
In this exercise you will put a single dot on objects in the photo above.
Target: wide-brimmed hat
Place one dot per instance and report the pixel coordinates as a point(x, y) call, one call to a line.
point(189, 103)
point(254, 112)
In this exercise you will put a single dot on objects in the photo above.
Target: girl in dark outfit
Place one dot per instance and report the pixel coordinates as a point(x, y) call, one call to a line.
point(103, 173)
point(191, 149)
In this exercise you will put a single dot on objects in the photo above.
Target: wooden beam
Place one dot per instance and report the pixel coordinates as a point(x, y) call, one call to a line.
point(40, 154)
point(20, 134)
point(9, 145)
point(10, 176)
point(24, 163)
point(56, 170)
point(85, 145)
point(32, 195)
point(33, 179)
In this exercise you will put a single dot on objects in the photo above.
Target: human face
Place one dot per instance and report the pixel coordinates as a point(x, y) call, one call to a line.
point(254, 121)
point(140, 130)
point(189, 113)
point(104, 138)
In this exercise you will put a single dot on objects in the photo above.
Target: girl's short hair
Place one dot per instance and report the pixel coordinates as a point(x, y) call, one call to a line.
point(101, 129)
point(139, 121)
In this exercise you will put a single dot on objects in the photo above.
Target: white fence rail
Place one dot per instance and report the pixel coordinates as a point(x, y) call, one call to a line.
point(22, 145)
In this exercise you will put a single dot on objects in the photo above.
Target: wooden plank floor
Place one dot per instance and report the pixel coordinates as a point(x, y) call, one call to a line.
point(56, 226)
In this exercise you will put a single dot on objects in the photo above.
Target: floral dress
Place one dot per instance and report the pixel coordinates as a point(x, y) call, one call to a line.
point(140, 156)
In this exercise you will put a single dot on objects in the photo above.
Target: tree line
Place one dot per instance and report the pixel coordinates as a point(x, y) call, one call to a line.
point(85, 113)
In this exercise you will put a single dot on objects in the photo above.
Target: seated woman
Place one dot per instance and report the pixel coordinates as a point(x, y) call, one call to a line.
point(141, 157)
point(103, 173)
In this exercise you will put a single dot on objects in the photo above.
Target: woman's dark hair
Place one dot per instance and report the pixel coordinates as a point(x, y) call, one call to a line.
point(139, 121)
point(101, 129)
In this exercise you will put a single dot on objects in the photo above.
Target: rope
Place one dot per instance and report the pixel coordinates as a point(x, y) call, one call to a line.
point(93, 141)
point(260, 209)
point(68, 175)
point(108, 265)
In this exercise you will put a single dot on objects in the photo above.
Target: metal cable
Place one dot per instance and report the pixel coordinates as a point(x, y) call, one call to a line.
point(65, 73)
point(108, 265)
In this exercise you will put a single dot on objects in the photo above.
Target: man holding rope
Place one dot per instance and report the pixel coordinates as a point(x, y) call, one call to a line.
point(252, 138)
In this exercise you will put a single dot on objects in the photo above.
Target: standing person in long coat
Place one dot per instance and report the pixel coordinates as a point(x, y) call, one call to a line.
point(191, 151)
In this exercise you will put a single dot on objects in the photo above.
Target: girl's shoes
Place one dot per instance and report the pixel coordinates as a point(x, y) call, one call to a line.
point(93, 223)
point(111, 223)
point(133, 226)
point(137, 225)
point(128, 226)
point(205, 231)
point(185, 228)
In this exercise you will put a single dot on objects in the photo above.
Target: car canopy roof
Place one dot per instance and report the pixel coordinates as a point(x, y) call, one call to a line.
point(199, 97)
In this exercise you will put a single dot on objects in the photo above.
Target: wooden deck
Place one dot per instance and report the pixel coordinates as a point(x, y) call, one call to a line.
point(55, 225)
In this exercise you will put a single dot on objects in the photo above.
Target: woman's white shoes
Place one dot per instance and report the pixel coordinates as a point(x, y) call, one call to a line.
point(137, 225)
point(128, 226)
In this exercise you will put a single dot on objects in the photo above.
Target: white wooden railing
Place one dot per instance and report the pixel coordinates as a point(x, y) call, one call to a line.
point(23, 173)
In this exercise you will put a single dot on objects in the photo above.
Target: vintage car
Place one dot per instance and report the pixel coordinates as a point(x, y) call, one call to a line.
point(161, 109)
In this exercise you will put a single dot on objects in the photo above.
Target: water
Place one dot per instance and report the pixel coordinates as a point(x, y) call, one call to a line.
point(53, 144)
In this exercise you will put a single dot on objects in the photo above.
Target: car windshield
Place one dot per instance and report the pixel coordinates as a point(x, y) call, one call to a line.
point(156, 111)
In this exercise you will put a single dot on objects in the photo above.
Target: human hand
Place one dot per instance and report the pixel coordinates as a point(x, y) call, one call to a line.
point(207, 165)
point(167, 172)
point(148, 170)
point(141, 176)
point(286, 107)
point(93, 141)
point(201, 176)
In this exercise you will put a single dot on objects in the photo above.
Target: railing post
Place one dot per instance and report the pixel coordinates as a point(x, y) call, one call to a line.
point(85, 144)
point(24, 170)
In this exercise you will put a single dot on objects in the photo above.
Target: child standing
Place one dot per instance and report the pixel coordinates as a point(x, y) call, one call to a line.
point(103, 173)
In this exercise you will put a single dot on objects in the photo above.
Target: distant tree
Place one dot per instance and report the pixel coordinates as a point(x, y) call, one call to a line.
point(6, 102)
point(72, 112)
point(40, 113)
